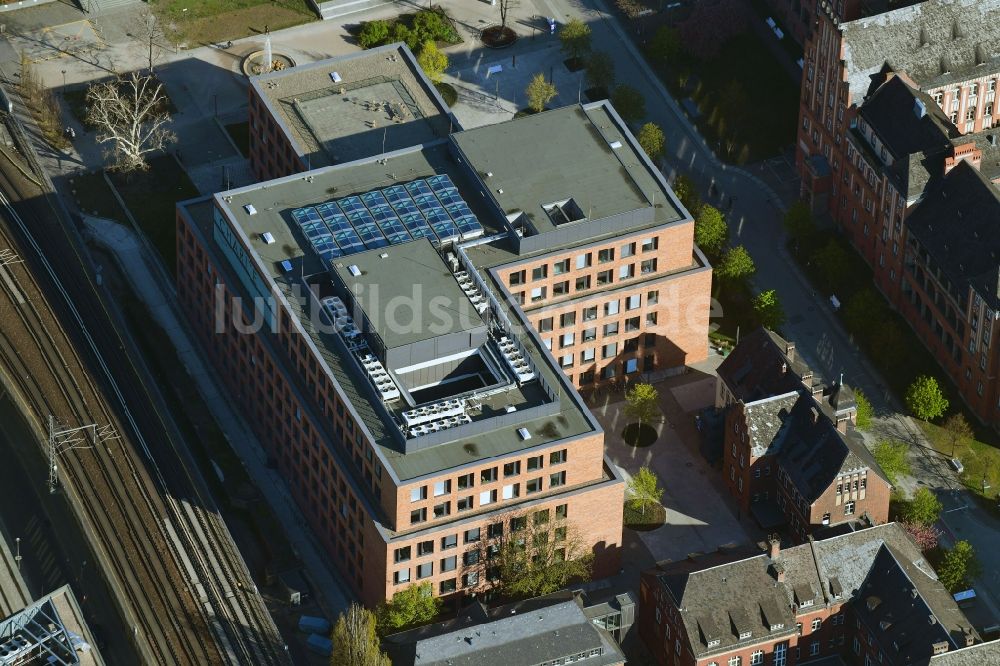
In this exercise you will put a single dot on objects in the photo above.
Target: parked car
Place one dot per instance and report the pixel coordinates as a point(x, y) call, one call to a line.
point(957, 465)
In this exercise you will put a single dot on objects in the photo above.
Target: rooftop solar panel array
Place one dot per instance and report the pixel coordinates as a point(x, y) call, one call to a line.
point(429, 208)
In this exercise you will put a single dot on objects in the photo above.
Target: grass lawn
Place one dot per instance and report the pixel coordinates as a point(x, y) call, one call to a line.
point(151, 197)
point(644, 521)
point(745, 98)
point(214, 21)
point(979, 459)
point(240, 134)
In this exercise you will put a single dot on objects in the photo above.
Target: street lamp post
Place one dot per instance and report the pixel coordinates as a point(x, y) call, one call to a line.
point(64, 80)
point(17, 557)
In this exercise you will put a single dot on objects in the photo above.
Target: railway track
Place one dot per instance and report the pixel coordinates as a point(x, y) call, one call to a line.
point(185, 588)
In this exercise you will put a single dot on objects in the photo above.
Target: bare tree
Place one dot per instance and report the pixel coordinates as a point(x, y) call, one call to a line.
point(148, 31)
point(130, 113)
point(505, 7)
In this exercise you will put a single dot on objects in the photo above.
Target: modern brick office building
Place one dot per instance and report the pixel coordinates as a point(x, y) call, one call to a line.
point(862, 598)
point(394, 376)
point(897, 112)
point(791, 457)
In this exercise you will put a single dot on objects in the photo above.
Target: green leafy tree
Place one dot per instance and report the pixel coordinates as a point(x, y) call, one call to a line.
point(535, 553)
point(644, 489)
point(925, 399)
point(891, 457)
point(687, 192)
point(799, 222)
point(710, 230)
point(665, 45)
point(409, 607)
point(833, 263)
point(642, 403)
point(540, 92)
point(600, 71)
point(373, 33)
point(433, 25)
point(767, 306)
point(629, 103)
point(355, 642)
point(959, 566)
point(887, 342)
point(957, 430)
point(400, 33)
point(924, 508)
point(736, 264)
point(575, 38)
point(432, 61)
point(864, 311)
point(865, 412)
point(652, 141)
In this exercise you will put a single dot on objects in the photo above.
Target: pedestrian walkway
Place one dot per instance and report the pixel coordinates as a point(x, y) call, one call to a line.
point(138, 266)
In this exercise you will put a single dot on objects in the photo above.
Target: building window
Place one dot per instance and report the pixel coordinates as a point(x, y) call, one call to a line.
point(401, 576)
point(735, 661)
point(605, 278)
point(540, 272)
point(465, 503)
point(417, 494)
point(425, 570)
point(650, 244)
point(632, 324)
point(537, 294)
point(472, 536)
point(583, 260)
point(560, 288)
point(557, 457)
point(488, 475)
point(534, 463)
point(442, 488)
point(648, 266)
point(512, 491)
point(534, 485)
point(780, 654)
point(418, 516)
point(567, 319)
point(466, 481)
point(557, 479)
point(816, 624)
point(402, 554)
point(626, 271)
point(609, 350)
point(605, 255)
point(470, 579)
point(814, 648)
point(583, 283)
point(487, 497)
point(425, 548)
point(756, 658)
point(449, 563)
point(587, 355)
point(470, 557)
point(589, 334)
point(442, 510)
point(512, 469)
point(450, 541)
point(545, 325)
point(568, 339)
point(633, 302)
point(849, 509)
point(560, 267)
point(628, 250)
point(516, 278)
point(590, 314)
point(652, 297)
point(448, 586)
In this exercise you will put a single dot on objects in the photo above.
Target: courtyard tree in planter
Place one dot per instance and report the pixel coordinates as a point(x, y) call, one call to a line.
point(575, 39)
point(540, 92)
point(642, 405)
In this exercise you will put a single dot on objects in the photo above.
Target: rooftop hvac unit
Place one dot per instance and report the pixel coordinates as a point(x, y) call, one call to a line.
point(286, 266)
point(250, 209)
point(336, 77)
point(268, 237)
point(354, 270)
point(524, 434)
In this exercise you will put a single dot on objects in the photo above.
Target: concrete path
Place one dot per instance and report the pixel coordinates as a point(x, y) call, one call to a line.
point(136, 264)
point(700, 515)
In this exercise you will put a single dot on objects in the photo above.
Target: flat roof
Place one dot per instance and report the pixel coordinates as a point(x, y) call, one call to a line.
point(408, 293)
point(577, 153)
point(345, 108)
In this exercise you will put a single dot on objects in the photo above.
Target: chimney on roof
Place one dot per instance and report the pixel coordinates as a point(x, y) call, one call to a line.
point(774, 547)
point(790, 350)
point(814, 414)
point(970, 638)
point(939, 648)
point(784, 367)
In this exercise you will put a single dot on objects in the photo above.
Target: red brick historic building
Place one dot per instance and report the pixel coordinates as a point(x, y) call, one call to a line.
point(866, 597)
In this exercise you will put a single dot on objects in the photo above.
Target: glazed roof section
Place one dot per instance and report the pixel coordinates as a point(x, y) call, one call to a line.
point(579, 157)
point(386, 98)
point(936, 42)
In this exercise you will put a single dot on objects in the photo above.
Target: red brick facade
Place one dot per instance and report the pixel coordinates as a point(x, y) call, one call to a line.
point(313, 439)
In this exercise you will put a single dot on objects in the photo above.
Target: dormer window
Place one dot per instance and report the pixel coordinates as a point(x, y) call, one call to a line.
point(805, 603)
point(745, 634)
point(779, 625)
point(713, 643)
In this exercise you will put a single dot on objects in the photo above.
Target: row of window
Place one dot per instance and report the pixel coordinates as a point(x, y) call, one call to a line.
point(584, 283)
point(582, 261)
point(489, 475)
point(487, 497)
point(593, 312)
